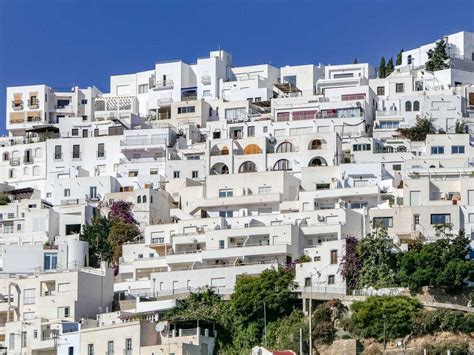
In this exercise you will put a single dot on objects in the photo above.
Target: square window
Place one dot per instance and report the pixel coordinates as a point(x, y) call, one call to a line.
point(399, 87)
point(176, 174)
point(195, 174)
point(331, 279)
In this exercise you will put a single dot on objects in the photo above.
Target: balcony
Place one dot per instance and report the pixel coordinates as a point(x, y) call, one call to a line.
point(389, 113)
point(33, 103)
point(130, 142)
point(163, 84)
point(66, 108)
point(17, 105)
point(15, 161)
point(28, 160)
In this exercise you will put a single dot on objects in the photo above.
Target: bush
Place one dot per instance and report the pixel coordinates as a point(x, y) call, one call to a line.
point(324, 319)
point(442, 348)
point(449, 320)
point(367, 318)
point(4, 200)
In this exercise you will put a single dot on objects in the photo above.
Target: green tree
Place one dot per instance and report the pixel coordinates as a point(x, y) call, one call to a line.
point(324, 321)
point(4, 200)
point(461, 127)
point(377, 255)
point(382, 68)
point(96, 235)
point(390, 68)
point(438, 58)
point(285, 332)
point(399, 57)
point(121, 233)
point(418, 132)
point(398, 313)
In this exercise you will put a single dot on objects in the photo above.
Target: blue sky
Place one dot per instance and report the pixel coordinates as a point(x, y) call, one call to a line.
point(81, 42)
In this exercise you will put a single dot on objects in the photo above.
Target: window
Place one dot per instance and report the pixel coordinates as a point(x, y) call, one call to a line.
point(285, 147)
point(63, 312)
point(251, 131)
point(440, 218)
point(195, 174)
point(29, 296)
point(93, 191)
point(389, 125)
point(361, 147)
point(333, 256)
point(76, 153)
point(307, 281)
point(23, 340)
point(258, 99)
point(186, 109)
point(397, 167)
point(85, 133)
point(11, 341)
point(221, 244)
point(144, 199)
point(128, 345)
point(380, 90)
point(50, 261)
point(416, 106)
point(226, 193)
point(176, 174)
point(265, 129)
point(383, 221)
point(75, 132)
point(409, 59)
point(58, 152)
point(83, 102)
point(100, 150)
point(226, 214)
point(282, 164)
point(416, 219)
point(264, 190)
point(408, 106)
point(437, 150)
point(343, 75)
point(359, 204)
point(62, 103)
point(457, 149)
point(71, 350)
point(331, 279)
point(142, 88)
point(248, 167)
point(290, 79)
point(90, 349)
point(67, 192)
point(157, 240)
point(399, 87)
point(110, 347)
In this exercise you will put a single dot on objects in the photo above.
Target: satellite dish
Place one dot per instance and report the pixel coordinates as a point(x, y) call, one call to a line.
point(160, 326)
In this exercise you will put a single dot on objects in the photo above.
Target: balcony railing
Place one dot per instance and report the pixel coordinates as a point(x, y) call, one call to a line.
point(33, 103)
point(15, 161)
point(388, 113)
point(144, 141)
point(28, 160)
point(17, 105)
point(163, 84)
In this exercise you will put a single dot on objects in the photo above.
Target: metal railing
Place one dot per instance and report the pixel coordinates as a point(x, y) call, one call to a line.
point(163, 84)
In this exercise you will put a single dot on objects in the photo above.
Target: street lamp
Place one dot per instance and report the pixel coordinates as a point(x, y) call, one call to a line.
point(384, 342)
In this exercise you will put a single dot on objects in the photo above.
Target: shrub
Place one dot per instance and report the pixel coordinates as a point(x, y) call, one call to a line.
point(398, 313)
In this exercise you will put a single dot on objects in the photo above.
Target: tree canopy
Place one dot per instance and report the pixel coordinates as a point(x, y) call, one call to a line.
point(438, 58)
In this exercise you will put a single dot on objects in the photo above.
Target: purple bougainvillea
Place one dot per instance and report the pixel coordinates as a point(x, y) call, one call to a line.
point(122, 211)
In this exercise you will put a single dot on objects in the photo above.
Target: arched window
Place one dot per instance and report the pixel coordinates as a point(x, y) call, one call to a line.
point(26, 170)
point(409, 59)
point(252, 149)
point(144, 199)
point(248, 167)
point(225, 150)
point(139, 199)
point(315, 144)
point(285, 147)
point(318, 161)
point(38, 152)
point(282, 164)
point(219, 169)
point(416, 106)
point(408, 106)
